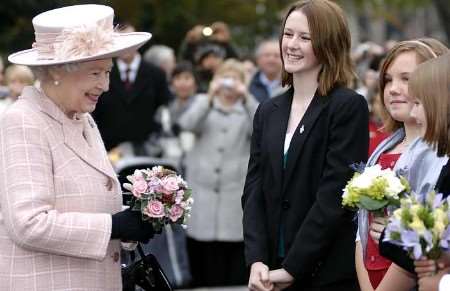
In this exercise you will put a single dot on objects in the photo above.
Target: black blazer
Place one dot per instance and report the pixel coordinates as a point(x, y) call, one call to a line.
point(319, 234)
point(123, 115)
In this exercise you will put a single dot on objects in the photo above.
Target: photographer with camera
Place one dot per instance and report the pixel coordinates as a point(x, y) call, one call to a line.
point(215, 168)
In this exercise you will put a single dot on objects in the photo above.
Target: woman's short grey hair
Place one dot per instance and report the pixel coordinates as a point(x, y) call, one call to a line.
point(42, 72)
point(158, 54)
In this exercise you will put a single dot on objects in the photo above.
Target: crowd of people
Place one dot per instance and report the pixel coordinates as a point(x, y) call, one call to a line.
point(265, 142)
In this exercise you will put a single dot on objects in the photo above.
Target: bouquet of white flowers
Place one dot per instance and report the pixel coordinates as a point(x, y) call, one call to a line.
point(373, 188)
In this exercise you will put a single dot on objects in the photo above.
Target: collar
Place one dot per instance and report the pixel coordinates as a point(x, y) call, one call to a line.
point(46, 105)
point(268, 83)
point(134, 65)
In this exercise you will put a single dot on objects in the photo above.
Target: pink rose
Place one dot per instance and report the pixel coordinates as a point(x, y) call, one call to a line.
point(175, 213)
point(154, 209)
point(139, 187)
point(169, 184)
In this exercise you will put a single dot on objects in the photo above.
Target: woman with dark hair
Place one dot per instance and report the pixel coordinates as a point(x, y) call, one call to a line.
point(303, 144)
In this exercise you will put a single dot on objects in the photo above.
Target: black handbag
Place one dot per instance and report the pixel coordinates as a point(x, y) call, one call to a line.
point(145, 273)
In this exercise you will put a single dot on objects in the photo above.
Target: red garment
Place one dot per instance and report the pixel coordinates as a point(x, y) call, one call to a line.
point(375, 264)
point(375, 136)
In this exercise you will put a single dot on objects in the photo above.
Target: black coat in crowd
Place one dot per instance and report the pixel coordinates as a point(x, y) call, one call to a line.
point(128, 115)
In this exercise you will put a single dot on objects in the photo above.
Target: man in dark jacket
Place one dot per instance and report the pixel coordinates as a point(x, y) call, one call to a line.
point(126, 112)
point(266, 82)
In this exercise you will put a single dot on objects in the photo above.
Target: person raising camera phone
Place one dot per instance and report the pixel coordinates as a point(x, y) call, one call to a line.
point(228, 85)
point(215, 168)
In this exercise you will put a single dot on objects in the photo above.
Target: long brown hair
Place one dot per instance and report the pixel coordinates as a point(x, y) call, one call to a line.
point(430, 83)
point(331, 42)
point(425, 49)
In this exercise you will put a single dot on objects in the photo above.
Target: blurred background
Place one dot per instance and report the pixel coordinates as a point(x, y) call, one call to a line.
point(249, 20)
point(154, 112)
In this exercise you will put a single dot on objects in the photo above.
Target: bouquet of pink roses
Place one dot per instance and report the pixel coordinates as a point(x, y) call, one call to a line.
point(161, 195)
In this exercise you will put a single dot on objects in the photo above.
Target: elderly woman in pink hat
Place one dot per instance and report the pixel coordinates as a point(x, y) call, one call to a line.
point(61, 221)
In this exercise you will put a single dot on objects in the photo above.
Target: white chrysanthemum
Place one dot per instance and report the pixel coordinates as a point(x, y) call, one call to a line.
point(366, 179)
point(395, 186)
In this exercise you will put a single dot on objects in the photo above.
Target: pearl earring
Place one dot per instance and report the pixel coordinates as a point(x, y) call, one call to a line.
point(56, 82)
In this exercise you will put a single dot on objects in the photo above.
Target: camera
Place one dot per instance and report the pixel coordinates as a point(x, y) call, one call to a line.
point(227, 83)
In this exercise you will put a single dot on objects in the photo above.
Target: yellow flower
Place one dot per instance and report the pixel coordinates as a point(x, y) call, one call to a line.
point(438, 228)
point(440, 215)
point(414, 209)
point(417, 225)
point(398, 214)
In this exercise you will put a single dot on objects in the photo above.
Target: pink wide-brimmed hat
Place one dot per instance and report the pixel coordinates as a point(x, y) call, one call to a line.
point(77, 33)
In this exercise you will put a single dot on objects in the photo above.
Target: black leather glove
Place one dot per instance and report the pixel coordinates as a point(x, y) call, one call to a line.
point(127, 225)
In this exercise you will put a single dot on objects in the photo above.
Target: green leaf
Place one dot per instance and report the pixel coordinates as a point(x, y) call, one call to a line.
point(372, 204)
point(136, 205)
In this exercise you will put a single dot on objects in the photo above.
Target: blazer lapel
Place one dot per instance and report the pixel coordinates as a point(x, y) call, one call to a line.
point(301, 135)
point(278, 122)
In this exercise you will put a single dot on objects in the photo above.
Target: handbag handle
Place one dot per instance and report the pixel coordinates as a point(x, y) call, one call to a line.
point(140, 251)
point(151, 276)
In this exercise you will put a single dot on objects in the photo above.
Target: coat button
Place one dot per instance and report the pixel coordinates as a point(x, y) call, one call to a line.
point(217, 170)
point(221, 150)
point(224, 130)
point(217, 190)
point(285, 204)
point(116, 257)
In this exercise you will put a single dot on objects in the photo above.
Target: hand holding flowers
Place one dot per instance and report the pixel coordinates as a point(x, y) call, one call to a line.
point(430, 281)
point(161, 196)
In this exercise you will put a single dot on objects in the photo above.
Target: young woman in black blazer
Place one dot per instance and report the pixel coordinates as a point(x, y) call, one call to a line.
point(303, 144)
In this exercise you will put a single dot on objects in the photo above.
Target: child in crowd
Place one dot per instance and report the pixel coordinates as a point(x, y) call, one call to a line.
point(17, 77)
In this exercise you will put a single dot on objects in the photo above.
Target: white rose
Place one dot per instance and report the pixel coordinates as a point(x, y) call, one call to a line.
point(395, 186)
point(362, 182)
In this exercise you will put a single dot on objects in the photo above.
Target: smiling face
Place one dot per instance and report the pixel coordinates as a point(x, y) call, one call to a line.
point(296, 46)
point(80, 89)
point(396, 98)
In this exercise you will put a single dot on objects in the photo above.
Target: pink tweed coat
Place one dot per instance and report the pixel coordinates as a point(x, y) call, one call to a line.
point(57, 191)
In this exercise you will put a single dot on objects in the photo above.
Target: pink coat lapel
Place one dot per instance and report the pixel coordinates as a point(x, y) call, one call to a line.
point(86, 148)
